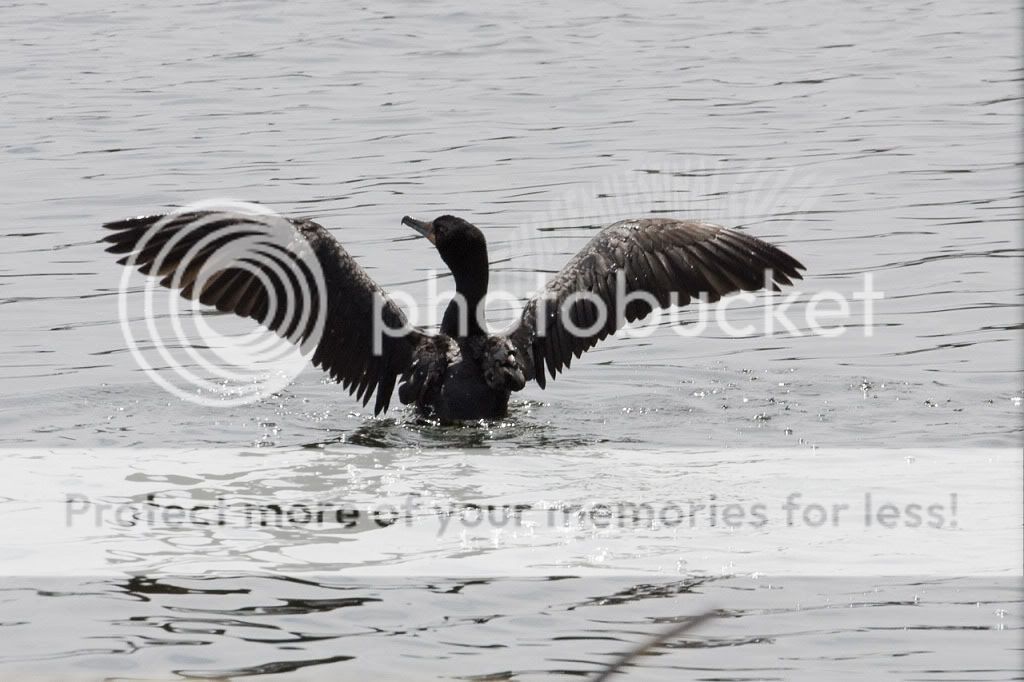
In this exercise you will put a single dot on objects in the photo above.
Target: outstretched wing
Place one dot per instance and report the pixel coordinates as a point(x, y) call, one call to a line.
point(288, 274)
point(672, 260)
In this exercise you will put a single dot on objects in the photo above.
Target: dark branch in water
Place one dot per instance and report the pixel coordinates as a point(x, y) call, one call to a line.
point(673, 632)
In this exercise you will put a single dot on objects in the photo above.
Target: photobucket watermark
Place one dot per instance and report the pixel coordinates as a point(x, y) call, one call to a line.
point(246, 260)
point(707, 513)
point(827, 313)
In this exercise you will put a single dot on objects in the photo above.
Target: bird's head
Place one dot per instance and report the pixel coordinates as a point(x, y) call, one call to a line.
point(460, 243)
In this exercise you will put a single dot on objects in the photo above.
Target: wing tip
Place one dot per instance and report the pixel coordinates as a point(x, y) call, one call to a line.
point(135, 221)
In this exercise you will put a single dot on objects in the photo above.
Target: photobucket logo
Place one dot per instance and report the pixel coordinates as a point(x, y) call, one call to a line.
point(241, 258)
point(584, 314)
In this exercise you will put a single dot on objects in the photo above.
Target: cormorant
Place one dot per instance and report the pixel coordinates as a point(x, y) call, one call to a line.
point(461, 372)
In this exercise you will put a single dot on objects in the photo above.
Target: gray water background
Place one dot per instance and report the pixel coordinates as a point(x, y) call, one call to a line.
point(894, 129)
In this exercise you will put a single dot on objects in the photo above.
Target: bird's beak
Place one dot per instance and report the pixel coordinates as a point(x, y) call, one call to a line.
point(425, 229)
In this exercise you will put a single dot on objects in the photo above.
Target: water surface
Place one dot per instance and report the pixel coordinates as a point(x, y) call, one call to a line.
point(861, 137)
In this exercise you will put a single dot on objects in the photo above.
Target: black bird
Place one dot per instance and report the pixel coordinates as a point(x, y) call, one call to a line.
point(462, 372)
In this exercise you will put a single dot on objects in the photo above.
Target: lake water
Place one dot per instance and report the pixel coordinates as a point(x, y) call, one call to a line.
point(863, 138)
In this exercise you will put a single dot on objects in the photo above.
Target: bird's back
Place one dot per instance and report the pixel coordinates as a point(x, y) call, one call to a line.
point(464, 379)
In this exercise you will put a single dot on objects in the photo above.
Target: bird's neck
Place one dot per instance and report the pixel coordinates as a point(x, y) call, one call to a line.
point(464, 315)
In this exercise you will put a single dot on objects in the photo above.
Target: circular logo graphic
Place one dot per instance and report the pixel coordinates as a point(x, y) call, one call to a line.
point(210, 264)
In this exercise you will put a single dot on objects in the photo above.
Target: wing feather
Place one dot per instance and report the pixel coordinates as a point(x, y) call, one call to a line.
point(663, 257)
point(180, 248)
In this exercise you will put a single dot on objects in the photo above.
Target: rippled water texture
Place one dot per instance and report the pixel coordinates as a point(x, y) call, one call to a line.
point(863, 138)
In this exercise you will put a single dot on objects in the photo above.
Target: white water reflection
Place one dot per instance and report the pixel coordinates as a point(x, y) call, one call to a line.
point(900, 121)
